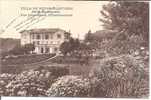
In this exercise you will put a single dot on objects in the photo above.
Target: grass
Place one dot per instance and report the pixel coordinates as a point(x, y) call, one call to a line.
point(26, 59)
point(76, 66)
point(112, 86)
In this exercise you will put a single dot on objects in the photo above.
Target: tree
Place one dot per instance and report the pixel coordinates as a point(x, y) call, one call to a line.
point(28, 47)
point(19, 50)
point(70, 46)
point(128, 18)
point(65, 48)
point(88, 37)
point(76, 49)
point(76, 44)
point(90, 40)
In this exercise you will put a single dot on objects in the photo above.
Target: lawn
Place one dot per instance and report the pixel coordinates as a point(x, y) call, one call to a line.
point(76, 66)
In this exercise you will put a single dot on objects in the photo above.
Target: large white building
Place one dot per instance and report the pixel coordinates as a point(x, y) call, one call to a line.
point(45, 40)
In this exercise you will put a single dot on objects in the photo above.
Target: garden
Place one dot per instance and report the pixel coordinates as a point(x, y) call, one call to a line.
point(115, 65)
point(120, 76)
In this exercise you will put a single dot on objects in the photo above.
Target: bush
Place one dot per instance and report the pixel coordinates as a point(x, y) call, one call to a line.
point(70, 86)
point(56, 71)
point(121, 76)
point(4, 80)
point(15, 64)
point(30, 83)
point(127, 46)
point(12, 69)
point(117, 46)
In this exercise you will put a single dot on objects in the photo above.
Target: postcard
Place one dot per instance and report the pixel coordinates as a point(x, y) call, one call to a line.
point(80, 49)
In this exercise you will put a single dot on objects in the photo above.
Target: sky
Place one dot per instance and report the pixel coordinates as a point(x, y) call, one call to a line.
point(85, 17)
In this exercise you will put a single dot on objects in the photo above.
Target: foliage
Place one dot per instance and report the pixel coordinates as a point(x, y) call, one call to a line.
point(18, 50)
point(4, 80)
point(125, 29)
point(118, 46)
point(122, 76)
point(88, 37)
point(56, 71)
point(132, 44)
point(70, 86)
point(30, 83)
point(90, 41)
point(128, 18)
point(17, 64)
point(74, 47)
point(11, 69)
point(7, 44)
point(28, 48)
point(25, 49)
point(65, 48)
point(26, 59)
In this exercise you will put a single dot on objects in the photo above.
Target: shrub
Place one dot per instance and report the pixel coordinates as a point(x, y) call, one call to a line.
point(56, 71)
point(121, 76)
point(15, 64)
point(12, 69)
point(4, 80)
point(30, 83)
point(117, 46)
point(70, 86)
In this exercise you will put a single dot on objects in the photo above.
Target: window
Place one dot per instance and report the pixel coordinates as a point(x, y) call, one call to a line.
point(58, 42)
point(46, 36)
point(24, 42)
point(38, 42)
point(58, 36)
point(32, 36)
point(41, 42)
point(51, 36)
point(42, 50)
point(47, 50)
point(34, 42)
point(55, 49)
point(51, 42)
point(38, 36)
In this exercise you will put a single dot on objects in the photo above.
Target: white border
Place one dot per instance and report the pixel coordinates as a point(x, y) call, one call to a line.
point(61, 98)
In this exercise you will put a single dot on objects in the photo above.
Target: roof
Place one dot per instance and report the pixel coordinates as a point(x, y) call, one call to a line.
point(42, 30)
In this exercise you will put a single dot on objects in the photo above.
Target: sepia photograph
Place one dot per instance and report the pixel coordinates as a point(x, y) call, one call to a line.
point(86, 49)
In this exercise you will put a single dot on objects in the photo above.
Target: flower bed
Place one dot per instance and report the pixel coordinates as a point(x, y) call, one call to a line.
point(4, 80)
point(121, 76)
point(70, 86)
point(30, 83)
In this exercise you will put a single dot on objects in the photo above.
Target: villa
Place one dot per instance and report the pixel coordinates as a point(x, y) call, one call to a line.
point(45, 40)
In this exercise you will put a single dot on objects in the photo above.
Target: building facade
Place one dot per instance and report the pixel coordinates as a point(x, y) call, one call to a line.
point(45, 40)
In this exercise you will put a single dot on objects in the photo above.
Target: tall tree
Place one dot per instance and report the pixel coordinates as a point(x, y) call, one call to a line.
point(88, 37)
point(128, 18)
point(70, 46)
point(65, 48)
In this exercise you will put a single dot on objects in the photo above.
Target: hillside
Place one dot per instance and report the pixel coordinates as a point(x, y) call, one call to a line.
point(6, 44)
